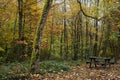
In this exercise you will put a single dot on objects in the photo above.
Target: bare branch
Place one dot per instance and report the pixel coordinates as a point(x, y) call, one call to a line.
point(96, 18)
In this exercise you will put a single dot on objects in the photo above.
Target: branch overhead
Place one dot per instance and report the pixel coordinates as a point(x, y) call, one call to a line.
point(96, 18)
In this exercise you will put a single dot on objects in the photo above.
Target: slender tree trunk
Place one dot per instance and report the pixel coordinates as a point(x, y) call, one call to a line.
point(35, 57)
point(20, 10)
point(101, 38)
point(119, 41)
point(105, 43)
point(65, 32)
point(87, 39)
point(96, 38)
point(81, 34)
point(14, 30)
point(75, 38)
point(20, 29)
point(61, 46)
point(51, 35)
point(96, 27)
point(91, 42)
point(76, 29)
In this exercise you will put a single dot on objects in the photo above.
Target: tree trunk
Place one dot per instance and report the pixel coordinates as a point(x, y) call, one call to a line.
point(51, 36)
point(20, 8)
point(20, 29)
point(61, 46)
point(65, 32)
point(105, 43)
point(96, 38)
point(87, 38)
point(35, 57)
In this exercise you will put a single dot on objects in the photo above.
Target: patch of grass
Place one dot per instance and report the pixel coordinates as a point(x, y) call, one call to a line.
point(54, 66)
point(10, 71)
point(17, 71)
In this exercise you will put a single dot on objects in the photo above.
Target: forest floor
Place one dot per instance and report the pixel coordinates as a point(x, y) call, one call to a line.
point(83, 72)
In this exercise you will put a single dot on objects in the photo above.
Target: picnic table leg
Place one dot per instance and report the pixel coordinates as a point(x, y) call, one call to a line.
point(90, 63)
point(95, 63)
point(109, 62)
point(105, 63)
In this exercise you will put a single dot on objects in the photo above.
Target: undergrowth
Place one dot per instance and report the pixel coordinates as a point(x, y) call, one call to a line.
point(20, 71)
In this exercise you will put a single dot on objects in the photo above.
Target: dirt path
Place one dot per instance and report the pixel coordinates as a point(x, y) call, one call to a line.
point(84, 73)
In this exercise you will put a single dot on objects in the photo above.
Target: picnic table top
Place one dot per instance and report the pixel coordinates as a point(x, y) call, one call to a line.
point(98, 57)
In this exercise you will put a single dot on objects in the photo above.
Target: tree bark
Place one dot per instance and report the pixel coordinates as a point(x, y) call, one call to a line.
point(109, 26)
point(20, 8)
point(35, 57)
point(65, 32)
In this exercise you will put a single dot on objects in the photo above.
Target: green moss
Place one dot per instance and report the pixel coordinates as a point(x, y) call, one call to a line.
point(38, 37)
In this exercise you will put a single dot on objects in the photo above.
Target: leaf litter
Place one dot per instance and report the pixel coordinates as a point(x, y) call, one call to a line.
point(83, 72)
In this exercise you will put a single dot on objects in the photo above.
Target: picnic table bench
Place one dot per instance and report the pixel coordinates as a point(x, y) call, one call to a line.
point(93, 60)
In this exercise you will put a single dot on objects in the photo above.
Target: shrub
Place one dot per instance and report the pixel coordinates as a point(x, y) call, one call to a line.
point(14, 71)
point(53, 66)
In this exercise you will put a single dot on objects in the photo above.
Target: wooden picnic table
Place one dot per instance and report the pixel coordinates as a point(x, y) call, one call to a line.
point(99, 60)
